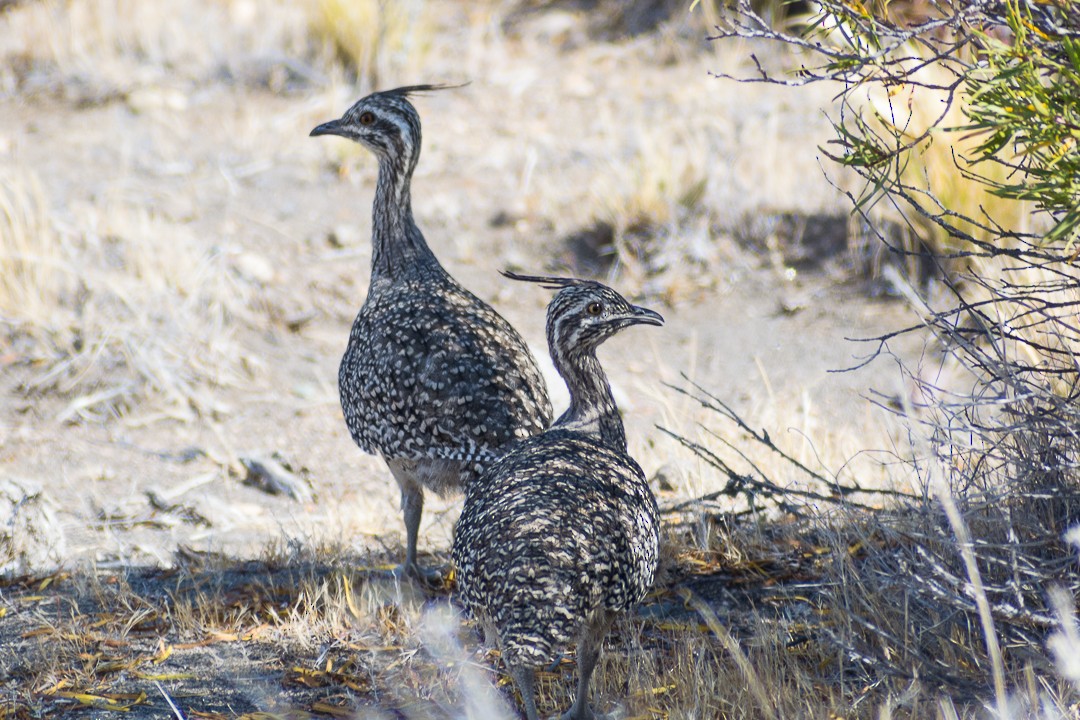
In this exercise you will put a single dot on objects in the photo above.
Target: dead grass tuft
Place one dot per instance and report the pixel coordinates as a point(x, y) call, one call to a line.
point(661, 232)
point(96, 49)
point(374, 39)
point(31, 534)
point(125, 307)
point(927, 112)
point(34, 274)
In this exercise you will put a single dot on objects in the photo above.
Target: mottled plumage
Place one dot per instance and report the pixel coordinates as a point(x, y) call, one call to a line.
point(562, 532)
point(433, 379)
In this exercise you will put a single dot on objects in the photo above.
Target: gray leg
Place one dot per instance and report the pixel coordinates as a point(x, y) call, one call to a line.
point(525, 679)
point(491, 633)
point(412, 503)
point(412, 506)
point(589, 646)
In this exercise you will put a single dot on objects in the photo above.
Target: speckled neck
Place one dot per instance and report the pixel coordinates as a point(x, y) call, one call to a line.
point(592, 408)
point(397, 245)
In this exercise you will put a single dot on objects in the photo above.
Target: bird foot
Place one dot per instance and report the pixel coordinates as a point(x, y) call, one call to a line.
point(581, 712)
point(430, 577)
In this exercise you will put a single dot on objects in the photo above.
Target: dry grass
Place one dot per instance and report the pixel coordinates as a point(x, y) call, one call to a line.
point(33, 273)
point(118, 300)
point(822, 612)
point(121, 45)
point(375, 38)
point(127, 306)
point(916, 608)
point(846, 615)
point(811, 440)
point(661, 235)
point(926, 113)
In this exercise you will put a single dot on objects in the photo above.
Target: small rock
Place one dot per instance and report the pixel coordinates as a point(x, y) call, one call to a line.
point(31, 538)
point(791, 303)
point(501, 219)
point(298, 320)
point(255, 267)
point(152, 99)
point(668, 478)
point(343, 236)
point(271, 475)
point(305, 390)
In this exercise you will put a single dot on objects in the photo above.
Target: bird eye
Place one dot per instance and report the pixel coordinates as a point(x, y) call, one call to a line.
point(594, 308)
point(367, 118)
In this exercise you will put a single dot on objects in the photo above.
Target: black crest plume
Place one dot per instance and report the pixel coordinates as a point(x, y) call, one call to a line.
point(548, 281)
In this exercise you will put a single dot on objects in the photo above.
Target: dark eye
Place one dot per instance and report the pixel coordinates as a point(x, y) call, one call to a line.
point(594, 308)
point(367, 118)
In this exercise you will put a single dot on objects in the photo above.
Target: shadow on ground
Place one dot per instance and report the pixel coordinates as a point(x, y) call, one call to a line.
point(302, 637)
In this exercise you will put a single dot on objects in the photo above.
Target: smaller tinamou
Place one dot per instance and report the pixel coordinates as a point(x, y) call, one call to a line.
point(562, 533)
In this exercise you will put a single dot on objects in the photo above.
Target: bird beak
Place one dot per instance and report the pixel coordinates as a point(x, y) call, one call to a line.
point(334, 127)
point(644, 316)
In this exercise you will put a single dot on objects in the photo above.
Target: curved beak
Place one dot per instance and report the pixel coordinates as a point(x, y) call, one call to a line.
point(328, 128)
point(644, 316)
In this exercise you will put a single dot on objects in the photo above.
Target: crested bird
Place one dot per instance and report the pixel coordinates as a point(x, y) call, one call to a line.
point(562, 533)
point(433, 379)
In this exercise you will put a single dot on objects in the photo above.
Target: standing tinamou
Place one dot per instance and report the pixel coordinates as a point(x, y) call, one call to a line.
point(433, 379)
point(562, 533)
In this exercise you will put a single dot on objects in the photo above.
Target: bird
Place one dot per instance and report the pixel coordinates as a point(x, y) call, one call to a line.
point(562, 533)
point(433, 379)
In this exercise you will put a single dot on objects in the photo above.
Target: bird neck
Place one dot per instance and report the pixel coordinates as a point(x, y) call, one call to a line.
point(397, 245)
point(592, 408)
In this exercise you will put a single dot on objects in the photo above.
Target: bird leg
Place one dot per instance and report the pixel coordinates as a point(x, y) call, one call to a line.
point(589, 645)
point(525, 679)
point(412, 506)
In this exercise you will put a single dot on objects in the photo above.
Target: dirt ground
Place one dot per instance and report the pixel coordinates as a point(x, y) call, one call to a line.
point(556, 133)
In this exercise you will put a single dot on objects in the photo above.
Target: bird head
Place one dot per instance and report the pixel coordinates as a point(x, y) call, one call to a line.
point(384, 122)
point(585, 313)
